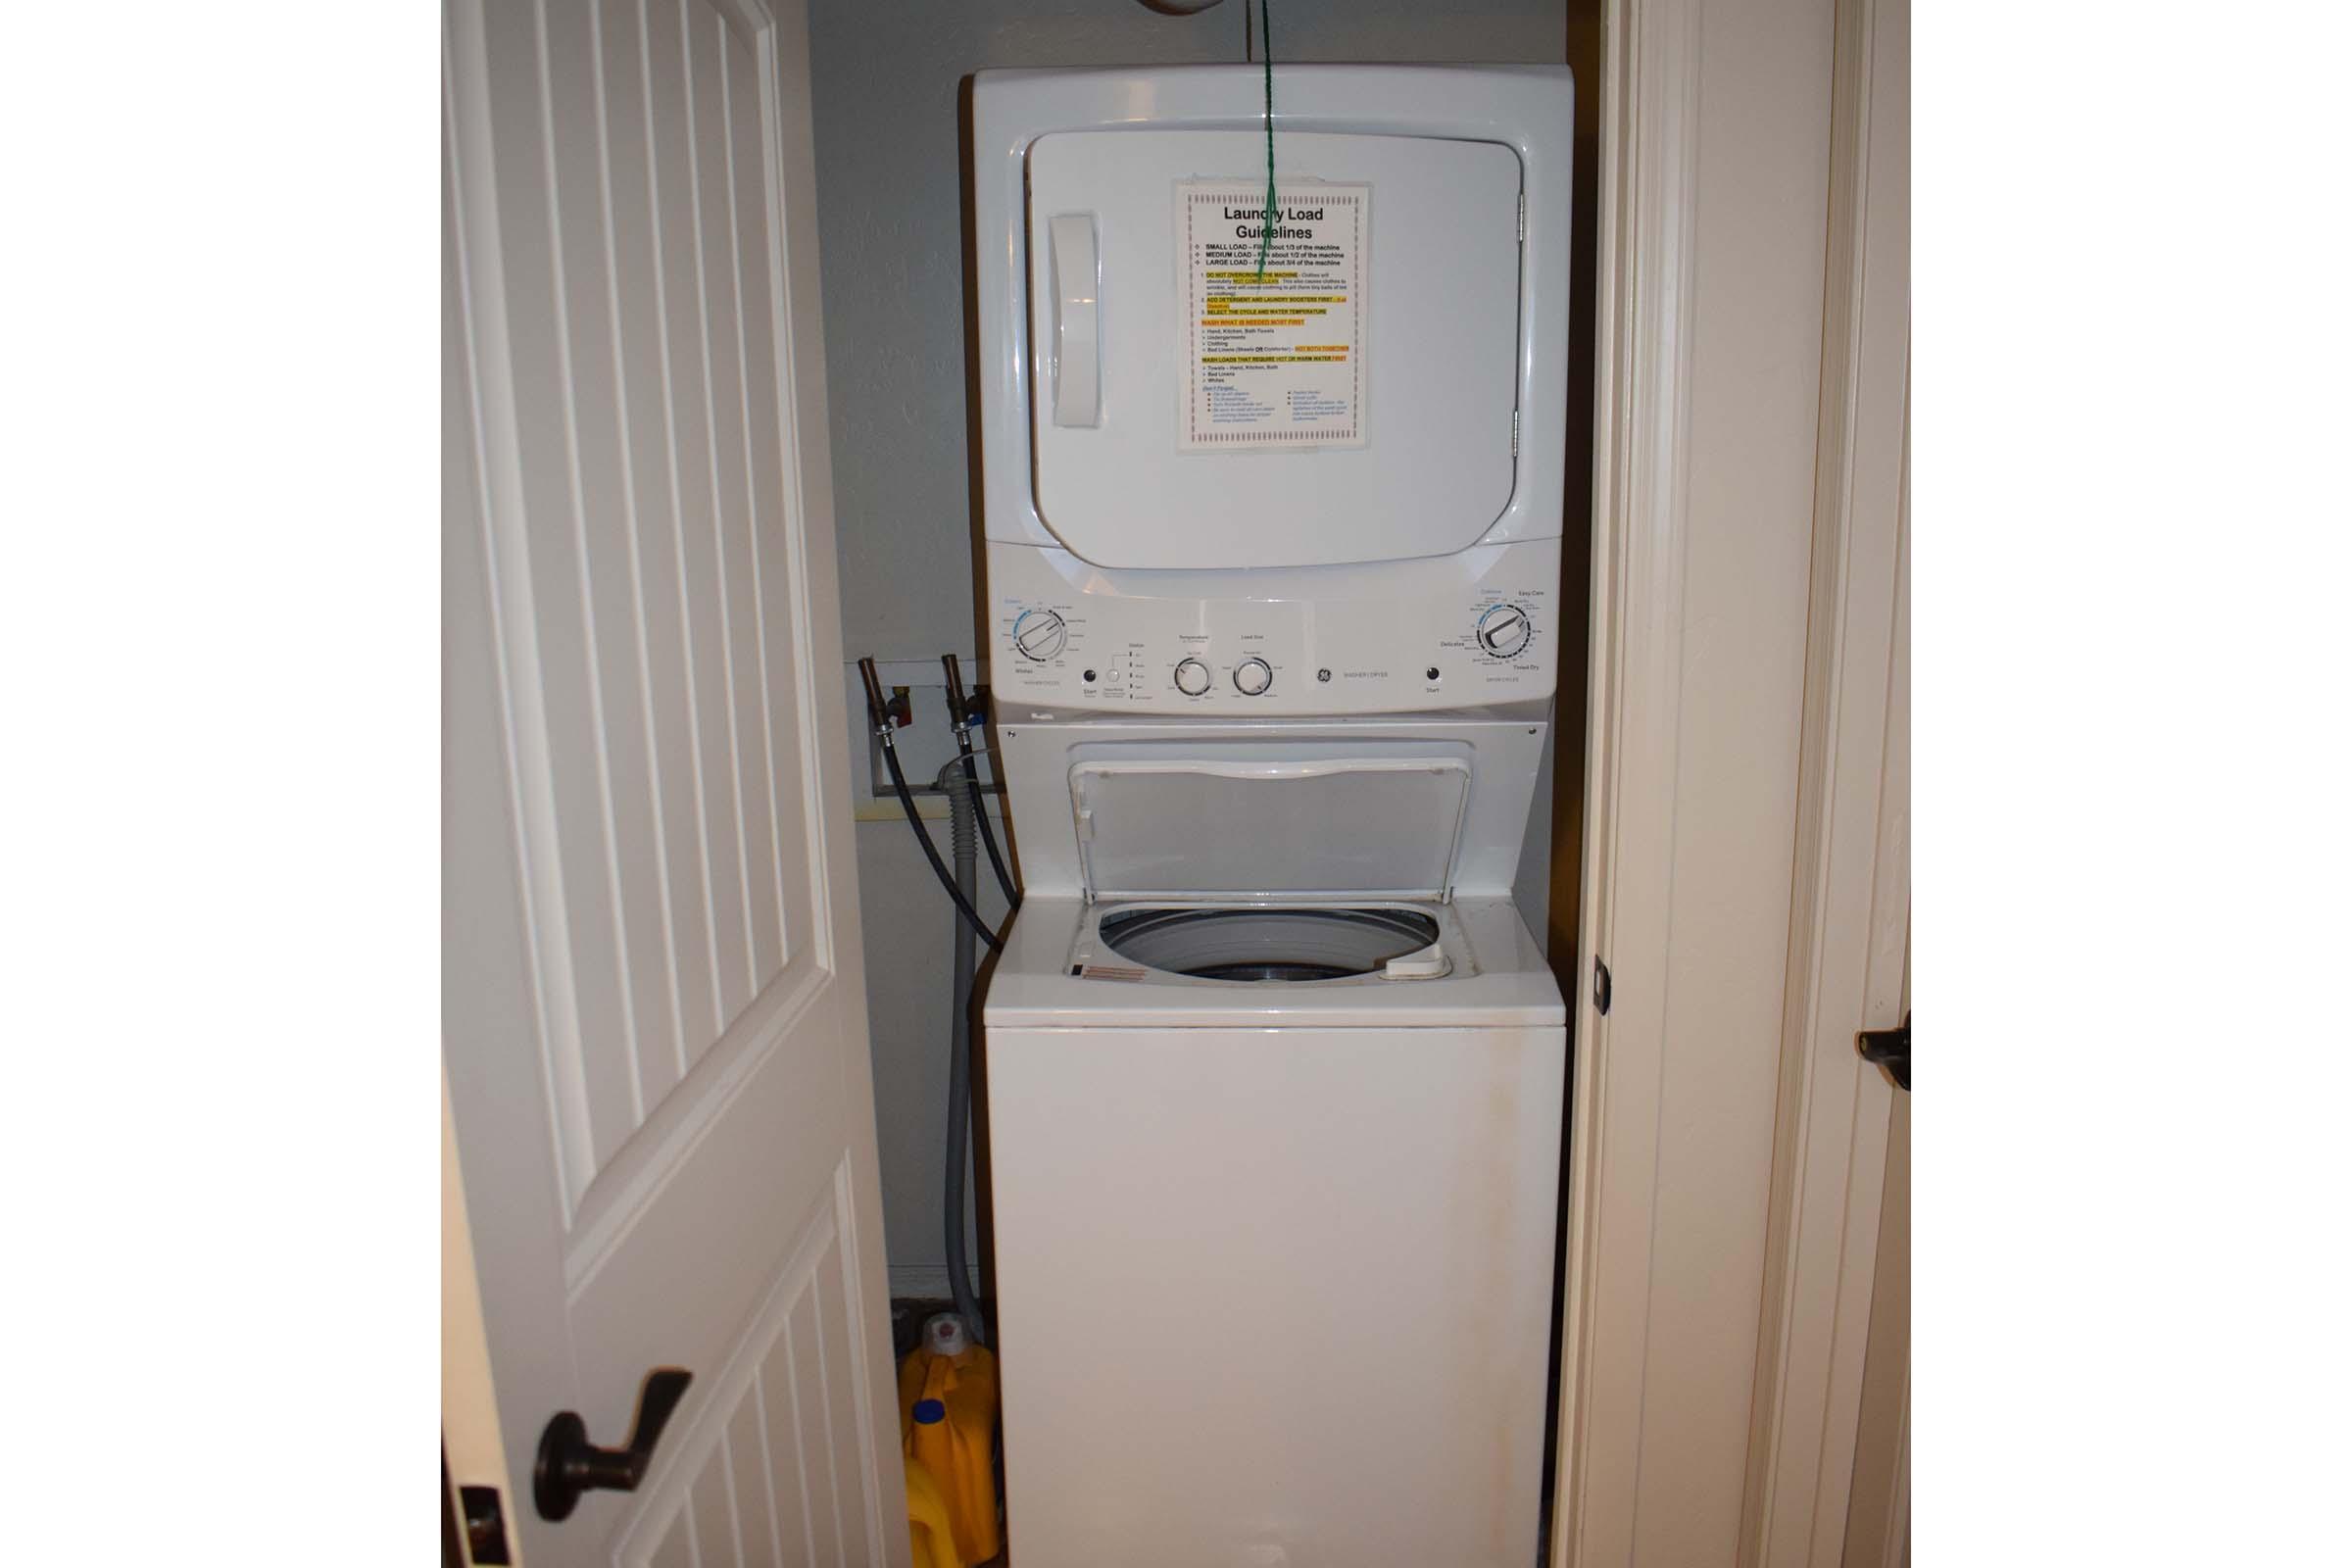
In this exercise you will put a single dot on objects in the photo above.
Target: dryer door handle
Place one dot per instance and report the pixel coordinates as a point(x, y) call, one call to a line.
point(1077, 284)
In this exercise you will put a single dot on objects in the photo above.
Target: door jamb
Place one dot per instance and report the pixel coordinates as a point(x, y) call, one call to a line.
point(472, 1453)
point(1810, 1346)
point(1849, 920)
point(1645, 292)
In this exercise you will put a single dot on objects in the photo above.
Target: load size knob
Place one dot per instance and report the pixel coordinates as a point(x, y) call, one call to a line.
point(1039, 634)
point(1252, 677)
point(1505, 630)
point(1192, 678)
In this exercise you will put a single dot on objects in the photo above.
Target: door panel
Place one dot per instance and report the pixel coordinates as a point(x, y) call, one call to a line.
point(764, 1481)
point(655, 1026)
point(654, 586)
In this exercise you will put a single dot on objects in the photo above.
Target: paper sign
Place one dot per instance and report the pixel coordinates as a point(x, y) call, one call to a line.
point(1278, 360)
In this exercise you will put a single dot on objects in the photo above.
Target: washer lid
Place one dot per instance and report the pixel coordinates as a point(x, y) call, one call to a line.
point(1282, 829)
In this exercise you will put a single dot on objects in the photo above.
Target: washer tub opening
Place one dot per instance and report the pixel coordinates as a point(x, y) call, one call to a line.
point(1267, 944)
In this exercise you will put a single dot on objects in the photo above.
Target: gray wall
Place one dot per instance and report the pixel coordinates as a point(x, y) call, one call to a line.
point(890, 226)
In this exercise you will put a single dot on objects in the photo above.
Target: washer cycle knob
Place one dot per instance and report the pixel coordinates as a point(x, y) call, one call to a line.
point(1505, 630)
point(1252, 677)
point(1192, 678)
point(1039, 634)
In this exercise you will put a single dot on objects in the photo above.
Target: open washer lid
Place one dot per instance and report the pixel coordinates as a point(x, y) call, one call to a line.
point(1323, 828)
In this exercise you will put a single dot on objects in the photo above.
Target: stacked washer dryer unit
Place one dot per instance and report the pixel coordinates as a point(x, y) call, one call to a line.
point(1273, 1064)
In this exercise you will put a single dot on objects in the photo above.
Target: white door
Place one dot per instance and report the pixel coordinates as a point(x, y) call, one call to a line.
point(654, 1016)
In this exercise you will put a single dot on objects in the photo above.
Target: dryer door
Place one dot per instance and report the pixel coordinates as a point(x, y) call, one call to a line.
point(1353, 404)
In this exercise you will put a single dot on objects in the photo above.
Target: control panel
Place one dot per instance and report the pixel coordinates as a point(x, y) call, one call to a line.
point(1470, 630)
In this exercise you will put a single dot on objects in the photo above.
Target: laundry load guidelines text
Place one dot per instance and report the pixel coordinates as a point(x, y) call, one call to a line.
point(1253, 224)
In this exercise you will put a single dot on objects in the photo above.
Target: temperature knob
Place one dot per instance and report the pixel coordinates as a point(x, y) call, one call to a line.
point(1192, 678)
point(1252, 677)
point(1039, 634)
point(1505, 630)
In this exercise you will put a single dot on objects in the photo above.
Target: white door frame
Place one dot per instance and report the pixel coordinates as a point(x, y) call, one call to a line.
point(1848, 921)
point(1647, 234)
point(1850, 930)
point(1877, 1511)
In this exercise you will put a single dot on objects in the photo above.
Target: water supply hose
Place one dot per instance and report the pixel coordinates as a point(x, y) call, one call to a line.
point(880, 714)
point(964, 810)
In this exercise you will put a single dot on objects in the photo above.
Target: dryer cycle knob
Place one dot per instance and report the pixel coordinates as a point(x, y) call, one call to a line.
point(1039, 634)
point(1505, 630)
point(1252, 677)
point(1192, 678)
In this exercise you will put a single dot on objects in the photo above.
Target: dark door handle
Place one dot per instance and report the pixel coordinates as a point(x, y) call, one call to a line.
point(569, 1464)
point(1890, 1049)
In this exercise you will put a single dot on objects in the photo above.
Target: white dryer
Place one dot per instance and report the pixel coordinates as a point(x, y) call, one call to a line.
point(1273, 1068)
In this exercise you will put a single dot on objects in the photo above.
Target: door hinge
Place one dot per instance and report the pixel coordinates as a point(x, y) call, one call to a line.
point(1601, 988)
point(1514, 432)
point(1523, 217)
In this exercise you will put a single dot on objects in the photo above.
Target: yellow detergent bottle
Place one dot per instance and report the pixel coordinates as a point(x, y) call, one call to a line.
point(928, 1525)
point(948, 1416)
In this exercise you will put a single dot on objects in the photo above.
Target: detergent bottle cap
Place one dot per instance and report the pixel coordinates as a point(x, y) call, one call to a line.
point(929, 1413)
point(945, 1333)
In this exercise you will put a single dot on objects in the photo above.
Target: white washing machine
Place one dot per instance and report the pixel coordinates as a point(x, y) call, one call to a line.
point(1273, 1068)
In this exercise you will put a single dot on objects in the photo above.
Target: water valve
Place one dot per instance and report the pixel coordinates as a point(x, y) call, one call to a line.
point(896, 714)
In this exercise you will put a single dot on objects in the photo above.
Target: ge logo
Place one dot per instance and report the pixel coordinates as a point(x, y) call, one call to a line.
point(1323, 675)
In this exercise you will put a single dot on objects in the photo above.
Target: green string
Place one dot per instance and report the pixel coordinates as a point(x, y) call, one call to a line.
point(1265, 51)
